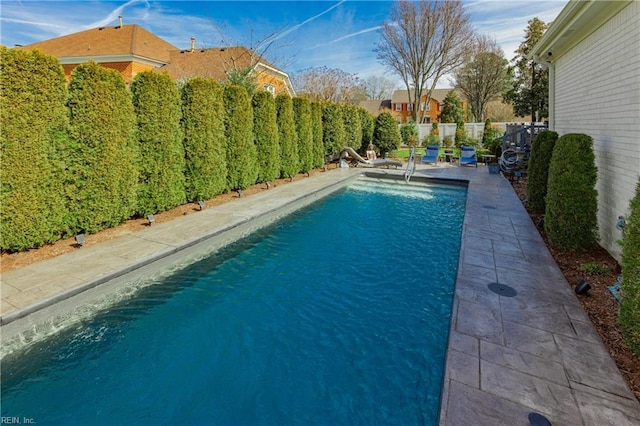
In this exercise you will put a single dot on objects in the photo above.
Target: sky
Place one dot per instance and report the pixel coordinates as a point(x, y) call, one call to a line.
point(304, 34)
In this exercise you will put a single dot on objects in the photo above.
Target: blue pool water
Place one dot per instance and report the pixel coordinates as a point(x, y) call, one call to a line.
point(338, 315)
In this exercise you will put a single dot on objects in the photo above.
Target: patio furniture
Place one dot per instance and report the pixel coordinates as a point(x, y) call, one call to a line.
point(431, 155)
point(468, 156)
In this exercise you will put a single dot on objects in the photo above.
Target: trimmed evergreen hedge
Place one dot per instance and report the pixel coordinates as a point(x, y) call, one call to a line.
point(265, 129)
point(367, 122)
point(316, 128)
point(538, 169)
point(33, 126)
point(302, 117)
point(352, 126)
point(105, 156)
point(333, 134)
point(386, 135)
point(289, 162)
point(242, 159)
point(156, 101)
point(205, 143)
point(630, 288)
point(571, 202)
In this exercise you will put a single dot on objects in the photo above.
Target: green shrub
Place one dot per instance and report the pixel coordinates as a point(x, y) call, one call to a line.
point(386, 135)
point(33, 126)
point(571, 202)
point(367, 122)
point(333, 134)
point(461, 137)
point(352, 126)
point(289, 162)
point(538, 171)
point(409, 133)
point(302, 117)
point(316, 129)
point(106, 159)
point(156, 101)
point(630, 288)
point(205, 143)
point(242, 159)
point(265, 129)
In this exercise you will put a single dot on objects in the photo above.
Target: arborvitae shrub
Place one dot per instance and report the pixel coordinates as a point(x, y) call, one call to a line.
point(333, 134)
point(33, 126)
point(352, 126)
point(289, 162)
point(409, 133)
point(538, 171)
point(571, 202)
point(386, 135)
point(156, 101)
point(302, 117)
point(630, 288)
point(205, 143)
point(242, 160)
point(367, 122)
point(106, 158)
point(265, 129)
point(316, 128)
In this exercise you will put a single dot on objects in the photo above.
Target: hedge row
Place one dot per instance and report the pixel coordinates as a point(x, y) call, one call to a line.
point(538, 169)
point(88, 155)
point(630, 287)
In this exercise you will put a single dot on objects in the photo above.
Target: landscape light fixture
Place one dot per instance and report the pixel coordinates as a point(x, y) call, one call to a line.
point(268, 185)
point(201, 205)
point(620, 223)
point(79, 240)
point(150, 219)
point(582, 288)
point(239, 191)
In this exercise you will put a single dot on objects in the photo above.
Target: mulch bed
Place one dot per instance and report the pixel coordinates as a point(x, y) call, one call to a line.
point(599, 303)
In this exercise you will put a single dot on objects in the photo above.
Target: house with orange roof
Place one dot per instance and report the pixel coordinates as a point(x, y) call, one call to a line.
point(130, 49)
point(402, 109)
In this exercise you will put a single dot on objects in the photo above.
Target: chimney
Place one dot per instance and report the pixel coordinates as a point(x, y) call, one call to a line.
point(120, 21)
point(193, 44)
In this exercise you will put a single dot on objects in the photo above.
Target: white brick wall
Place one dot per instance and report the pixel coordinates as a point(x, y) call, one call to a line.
point(597, 92)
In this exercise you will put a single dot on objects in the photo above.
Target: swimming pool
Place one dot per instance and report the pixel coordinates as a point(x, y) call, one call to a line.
point(337, 315)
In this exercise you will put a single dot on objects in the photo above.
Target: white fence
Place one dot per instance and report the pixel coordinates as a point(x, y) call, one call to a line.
point(473, 130)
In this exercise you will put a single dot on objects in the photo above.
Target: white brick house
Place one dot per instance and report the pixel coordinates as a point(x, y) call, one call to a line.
point(592, 50)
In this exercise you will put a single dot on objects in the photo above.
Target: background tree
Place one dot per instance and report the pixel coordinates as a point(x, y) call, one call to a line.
point(33, 130)
point(329, 84)
point(424, 41)
point(265, 130)
point(205, 143)
point(452, 111)
point(302, 117)
point(484, 78)
point(333, 135)
point(105, 165)
point(409, 133)
point(367, 121)
point(242, 160)
point(156, 101)
point(530, 90)
point(289, 162)
point(386, 135)
point(379, 87)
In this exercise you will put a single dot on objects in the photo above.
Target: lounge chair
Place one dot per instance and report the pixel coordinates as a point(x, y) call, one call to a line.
point(468, 156)
point(379, 162)
point(431, 155)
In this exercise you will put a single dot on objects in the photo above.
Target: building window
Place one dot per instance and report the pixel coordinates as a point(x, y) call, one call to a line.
point(424, 106)
point(270, 88)
point(409, 107)
point(398, 107)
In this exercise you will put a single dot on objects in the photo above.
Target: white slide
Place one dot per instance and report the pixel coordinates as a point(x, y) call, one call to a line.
point(372, 163)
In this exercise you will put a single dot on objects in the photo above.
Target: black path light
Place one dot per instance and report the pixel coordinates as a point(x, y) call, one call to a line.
point(79, 240)
point(239, 191)
point(150, 219)
point(582, 288)
point(201, 205)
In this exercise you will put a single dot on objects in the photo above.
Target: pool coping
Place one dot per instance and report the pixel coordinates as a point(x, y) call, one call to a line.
point(504, 359)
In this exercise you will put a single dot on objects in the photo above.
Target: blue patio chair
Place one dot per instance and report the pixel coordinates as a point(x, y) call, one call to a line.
point(431, 155)
point(468, 156)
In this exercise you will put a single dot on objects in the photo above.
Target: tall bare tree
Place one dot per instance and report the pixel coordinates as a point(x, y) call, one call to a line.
point(424, 41)
point(329, 84)
point(379, 87)
point(483, 78)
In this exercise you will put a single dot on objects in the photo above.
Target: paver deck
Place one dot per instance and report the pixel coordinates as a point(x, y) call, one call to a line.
point(508, 356)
